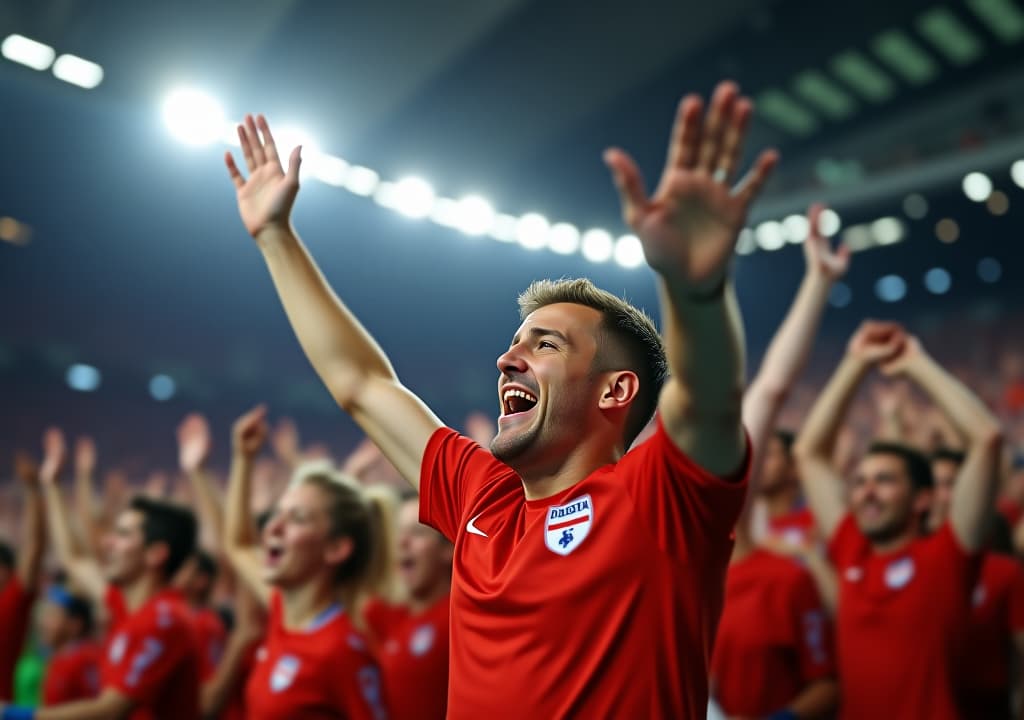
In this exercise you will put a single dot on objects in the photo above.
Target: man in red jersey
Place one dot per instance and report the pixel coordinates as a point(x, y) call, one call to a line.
point(996, 631)
point(152, 661)
point(412, 639)
point(65, 627)
point(197, 582)
point(19, 575)
point(587, 581)
point(904, 600)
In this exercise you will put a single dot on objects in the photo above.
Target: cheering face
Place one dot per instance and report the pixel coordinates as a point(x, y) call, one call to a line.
point(777, 472)
point(296, 539)
point(547, 390)
point(944, 472)
point(882, 497)
point(424, 555)
point(125, 548)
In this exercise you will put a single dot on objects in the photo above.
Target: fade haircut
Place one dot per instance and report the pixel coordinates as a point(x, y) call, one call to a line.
point(919, 470)
point(629, 329)
point(167, 523)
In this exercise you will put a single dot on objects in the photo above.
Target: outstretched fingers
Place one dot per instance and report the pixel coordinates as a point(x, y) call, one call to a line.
point(269, 146)
point(733, 136)
point(751, 184)
point(628, 182)
point(252, 135)
point(718, 115)
point(236, 176)
point(685, 139)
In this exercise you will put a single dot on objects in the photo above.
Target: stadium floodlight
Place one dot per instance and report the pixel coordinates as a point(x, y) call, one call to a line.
point(938, 281)
point(162, 387)
point(887, 230)
point(532, 231)
point(412, 197)
point(796, 228)
point(829, 222)
point(597, 245)
point(505, 228)
point(78, 71)
point(329, 169)
point(1017, 172)
point(977, 186)
point(193, 116)
point(83, 378)
point(25, 51)
point(475, 215)
point(770, 235)
point(891, 288)
point(564, 238)
point(361, 180)
point(629, 253)
point(746, 243)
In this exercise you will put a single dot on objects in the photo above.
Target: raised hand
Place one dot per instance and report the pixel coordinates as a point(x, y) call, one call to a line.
point(821, 258)
point(85, 456)
point(910, 351)
point(689, 227)
point(55, 454)
point(194, 443)
point(250, 431)
point(26, 469)
point(876, 342)
point(285, 442)
point(264, 200)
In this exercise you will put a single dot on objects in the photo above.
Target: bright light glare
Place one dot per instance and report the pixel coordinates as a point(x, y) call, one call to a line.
point(887, 230)
point(504, 228)
point(629, 253)
point(829, 222)
point(412, 197)
point(193, 116)
point(891, 288)
point(329, 169)
point(796, 228)
point(162, 387)
point(564, 238)
point(78, 71)
point(937, 280)
point(1017, 173)
point(770, 235)
point(746, 243)
point(361, 180)
point(977, 186)
point(532, 231)
point(20, 49)
point(476, 215)
point(598, 245)
point(83, 378)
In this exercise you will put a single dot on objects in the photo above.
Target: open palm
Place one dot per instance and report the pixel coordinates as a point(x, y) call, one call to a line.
point(688, 227)
point(265, 199)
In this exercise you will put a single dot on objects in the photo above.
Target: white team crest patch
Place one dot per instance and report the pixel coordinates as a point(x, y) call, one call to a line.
point(422, 639)
point(853, 574)
point(566, 526)
point(899, 573)
point(284, 672)
point(117, 648)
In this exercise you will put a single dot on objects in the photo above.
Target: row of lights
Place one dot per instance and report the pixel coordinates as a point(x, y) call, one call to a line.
point(39, 56)
point(195, 118)
point(87, 378)
point(938, 281)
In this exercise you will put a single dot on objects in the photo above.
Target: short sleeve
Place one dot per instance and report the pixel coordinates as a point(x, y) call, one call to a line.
point(814, 631)
point(153, 650)
point(960, 567)
point(454, 469)
point(687, 508)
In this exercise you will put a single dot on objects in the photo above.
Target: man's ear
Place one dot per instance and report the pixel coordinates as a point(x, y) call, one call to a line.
point(619, 390)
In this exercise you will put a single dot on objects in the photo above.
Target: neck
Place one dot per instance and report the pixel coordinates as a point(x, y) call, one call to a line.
point(744, 544)
point(897, 542)
point(137, 592)
point(545, 481)
point(423, 601)
point(303, 604)
point(781, 501)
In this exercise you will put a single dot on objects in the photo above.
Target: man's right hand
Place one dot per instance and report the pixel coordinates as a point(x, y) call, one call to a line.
point(54, 455)
point(249, 432)
point(876, 342)
point(194, 443)
point(265, 199)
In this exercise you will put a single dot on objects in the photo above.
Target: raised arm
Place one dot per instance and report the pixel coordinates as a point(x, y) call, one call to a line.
point(241, 544)
point(688, 230)
point(978, 481)
point(30, 551)
point(74, 558)
point(90, 516)
point(789, 349)
point(194, 447)
point(813, 450)
point(344, 355)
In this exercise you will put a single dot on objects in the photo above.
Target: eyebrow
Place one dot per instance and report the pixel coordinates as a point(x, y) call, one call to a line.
point(541, 332)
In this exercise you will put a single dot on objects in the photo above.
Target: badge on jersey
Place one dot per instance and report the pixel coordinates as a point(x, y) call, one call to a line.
point(284, 672)
point(422, 639)
point(854, 574)
point(978, 598)
point(117, 647)
point(899, 573)
point(567, 526)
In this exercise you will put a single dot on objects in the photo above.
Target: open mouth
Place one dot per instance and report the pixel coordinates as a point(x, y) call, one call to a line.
point(273, 555)
point(515, 401)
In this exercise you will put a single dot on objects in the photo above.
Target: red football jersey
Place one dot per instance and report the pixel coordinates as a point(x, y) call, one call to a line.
point(322, 673)
point(153, 657)
point(212, 635)
point(73, 673)
point(901, 624)
point(413, 654)
point(600, 601)
point(795, 527)
point(774, 637)
point(113, 601)
point(15, 609)
point(997, 614)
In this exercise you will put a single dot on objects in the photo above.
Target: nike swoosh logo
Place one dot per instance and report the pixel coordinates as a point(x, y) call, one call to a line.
point(472, 528)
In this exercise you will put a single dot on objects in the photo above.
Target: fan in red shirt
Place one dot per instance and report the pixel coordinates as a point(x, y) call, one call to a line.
point(19, 575)
point(325, 551)
point(66, 627)
point(151, 662)
point(904, 599)
point(587, 581)
point(996, 631)
point(197, 583)
point(411, 639)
